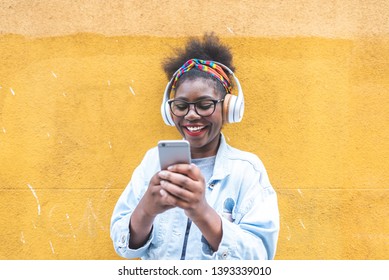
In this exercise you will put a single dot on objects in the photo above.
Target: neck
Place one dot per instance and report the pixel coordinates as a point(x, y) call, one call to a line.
point(208, 150)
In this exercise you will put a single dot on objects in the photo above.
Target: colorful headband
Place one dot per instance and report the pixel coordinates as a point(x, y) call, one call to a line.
point(207, 66)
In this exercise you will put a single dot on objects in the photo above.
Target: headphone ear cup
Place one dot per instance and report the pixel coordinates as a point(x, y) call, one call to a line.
point(165, 108)
point(226, 108)
point(168, 114)
point(229, 108)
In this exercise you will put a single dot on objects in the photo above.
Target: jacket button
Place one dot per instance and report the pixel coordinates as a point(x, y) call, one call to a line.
point(224, 255)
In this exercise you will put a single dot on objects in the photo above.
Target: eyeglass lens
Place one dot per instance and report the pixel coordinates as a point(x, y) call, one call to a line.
point(203, 108)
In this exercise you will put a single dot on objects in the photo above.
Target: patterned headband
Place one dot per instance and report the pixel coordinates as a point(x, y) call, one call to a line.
point(207, 66)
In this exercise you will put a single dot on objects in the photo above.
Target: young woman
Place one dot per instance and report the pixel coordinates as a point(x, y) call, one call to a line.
point(222, 205)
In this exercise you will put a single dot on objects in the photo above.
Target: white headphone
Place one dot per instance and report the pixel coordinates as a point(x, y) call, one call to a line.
point(233, 106)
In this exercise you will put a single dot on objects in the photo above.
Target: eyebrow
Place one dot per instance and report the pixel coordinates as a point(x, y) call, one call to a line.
point(204, 97)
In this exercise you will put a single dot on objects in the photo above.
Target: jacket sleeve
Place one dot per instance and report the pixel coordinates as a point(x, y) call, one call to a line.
point(252, 231)
point(129, 199)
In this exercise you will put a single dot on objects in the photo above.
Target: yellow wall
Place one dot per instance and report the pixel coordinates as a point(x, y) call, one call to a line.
point(80, 90)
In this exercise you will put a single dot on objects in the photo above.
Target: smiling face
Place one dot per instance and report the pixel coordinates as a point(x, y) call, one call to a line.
point(203, 133)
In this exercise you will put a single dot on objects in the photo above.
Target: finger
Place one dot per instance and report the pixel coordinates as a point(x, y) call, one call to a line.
point(163, 193)
point(172, 201)
point(190, 170)
point(176, 191)
point(167, 198)
point(178, 179)
point(154, 180)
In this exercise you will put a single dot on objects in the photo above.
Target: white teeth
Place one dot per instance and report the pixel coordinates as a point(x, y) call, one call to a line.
point(194, 128)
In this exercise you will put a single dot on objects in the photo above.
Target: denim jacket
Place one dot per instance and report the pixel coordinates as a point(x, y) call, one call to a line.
point(239, 191)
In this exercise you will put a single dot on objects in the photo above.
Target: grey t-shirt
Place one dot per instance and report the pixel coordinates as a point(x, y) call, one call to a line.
point(206, 166)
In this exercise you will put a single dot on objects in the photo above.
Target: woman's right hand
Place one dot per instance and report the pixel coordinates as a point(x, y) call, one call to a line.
point(151, 204)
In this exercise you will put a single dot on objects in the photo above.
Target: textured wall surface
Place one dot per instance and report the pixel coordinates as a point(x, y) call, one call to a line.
point(80, 90)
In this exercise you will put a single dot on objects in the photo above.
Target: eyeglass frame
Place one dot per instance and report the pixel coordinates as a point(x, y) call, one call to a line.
point(215, 102)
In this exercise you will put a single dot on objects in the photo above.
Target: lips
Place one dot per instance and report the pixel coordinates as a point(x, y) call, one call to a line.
point(194, 130)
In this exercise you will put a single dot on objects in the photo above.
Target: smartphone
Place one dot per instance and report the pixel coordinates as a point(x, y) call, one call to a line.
point(172, 152)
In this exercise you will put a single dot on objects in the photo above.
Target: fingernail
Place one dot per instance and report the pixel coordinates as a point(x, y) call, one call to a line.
point(170, 167)
point(162, 192)
point(162, 174)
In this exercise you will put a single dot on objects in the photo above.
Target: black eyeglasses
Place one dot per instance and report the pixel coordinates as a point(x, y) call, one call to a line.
point(203, 108)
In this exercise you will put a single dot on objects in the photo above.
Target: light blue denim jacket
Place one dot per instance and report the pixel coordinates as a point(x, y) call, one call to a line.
point(240, 192)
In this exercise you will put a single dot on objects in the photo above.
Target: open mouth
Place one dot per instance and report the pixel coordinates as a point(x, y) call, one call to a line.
point(195, 130)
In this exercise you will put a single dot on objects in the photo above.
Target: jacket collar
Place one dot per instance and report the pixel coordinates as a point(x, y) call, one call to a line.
point(222, 165)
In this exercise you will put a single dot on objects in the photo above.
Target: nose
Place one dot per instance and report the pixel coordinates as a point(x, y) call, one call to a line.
point(192, 115)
